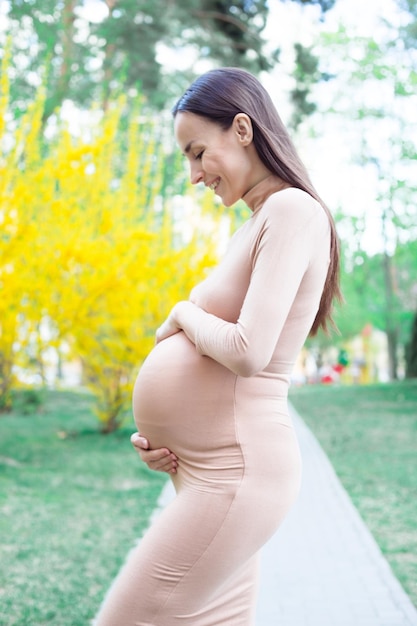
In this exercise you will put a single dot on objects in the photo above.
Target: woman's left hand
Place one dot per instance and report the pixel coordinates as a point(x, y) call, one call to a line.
point(168, 328)
point(172, 324)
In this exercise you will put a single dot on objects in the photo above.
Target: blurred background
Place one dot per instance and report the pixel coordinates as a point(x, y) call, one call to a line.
point(100, 230)
point(101, 233)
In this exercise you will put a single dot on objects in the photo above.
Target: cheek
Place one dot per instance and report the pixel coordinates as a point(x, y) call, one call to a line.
point(217, 162)
point(210, 164)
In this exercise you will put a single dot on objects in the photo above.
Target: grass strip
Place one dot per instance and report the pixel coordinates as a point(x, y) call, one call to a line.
point(370, 435)
point(72, 504)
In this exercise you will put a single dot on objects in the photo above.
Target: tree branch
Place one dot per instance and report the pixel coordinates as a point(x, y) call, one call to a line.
point(221, 17)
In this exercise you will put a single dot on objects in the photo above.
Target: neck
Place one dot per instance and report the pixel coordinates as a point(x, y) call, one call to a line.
point(258, 193)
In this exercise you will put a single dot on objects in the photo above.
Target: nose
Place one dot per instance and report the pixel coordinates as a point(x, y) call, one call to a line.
point(196, 173)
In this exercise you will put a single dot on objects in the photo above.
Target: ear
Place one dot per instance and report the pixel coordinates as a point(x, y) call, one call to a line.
point(242, 125)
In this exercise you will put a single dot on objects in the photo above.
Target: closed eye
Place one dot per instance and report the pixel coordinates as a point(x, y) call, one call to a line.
point(199, 155)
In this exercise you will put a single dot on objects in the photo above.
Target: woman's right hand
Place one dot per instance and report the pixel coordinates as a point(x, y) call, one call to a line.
point(160, 460)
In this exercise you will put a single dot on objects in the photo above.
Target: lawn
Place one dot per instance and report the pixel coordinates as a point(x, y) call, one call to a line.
point(370, 436)
point(72, 503)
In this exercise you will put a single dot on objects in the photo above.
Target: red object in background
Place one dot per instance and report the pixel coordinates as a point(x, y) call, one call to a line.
point(327, 379)
point(338, 368)
point(367, 330)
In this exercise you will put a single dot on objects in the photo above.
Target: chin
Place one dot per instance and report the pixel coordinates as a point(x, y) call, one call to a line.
point(228, 202)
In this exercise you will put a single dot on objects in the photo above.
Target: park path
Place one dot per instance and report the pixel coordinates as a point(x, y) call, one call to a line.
point(323, 567)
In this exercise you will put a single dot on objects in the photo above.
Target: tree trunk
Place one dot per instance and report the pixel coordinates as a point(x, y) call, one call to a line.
point(61, 91)
point(391, 327)
point(109, 52)
point(411, 355)
point(392, 336)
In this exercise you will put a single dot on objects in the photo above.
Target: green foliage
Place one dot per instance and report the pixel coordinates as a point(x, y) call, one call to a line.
point(91, 56)
point(28, 401)
point(409, 30)
point(380, 128)
point(229, 31)
point(365, 291)
point(306, 75)
point(325, 5)
point(88, 61)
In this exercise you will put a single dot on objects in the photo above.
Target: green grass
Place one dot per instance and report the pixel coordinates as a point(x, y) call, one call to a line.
point(72, 504)
point(73, 501)
point(370, 436)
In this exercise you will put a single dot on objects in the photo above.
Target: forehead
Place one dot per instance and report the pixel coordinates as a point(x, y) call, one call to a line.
point(190, 128)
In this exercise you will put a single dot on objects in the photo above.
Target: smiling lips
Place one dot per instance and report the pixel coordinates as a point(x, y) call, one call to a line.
point(213, 186)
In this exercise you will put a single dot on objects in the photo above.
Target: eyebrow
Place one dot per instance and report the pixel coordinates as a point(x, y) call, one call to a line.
point(188, 146)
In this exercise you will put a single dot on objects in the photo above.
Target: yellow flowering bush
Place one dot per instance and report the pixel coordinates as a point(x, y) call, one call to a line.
point(91, 247)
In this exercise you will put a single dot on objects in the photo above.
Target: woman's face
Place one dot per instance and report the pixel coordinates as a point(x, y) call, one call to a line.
point(223, 160)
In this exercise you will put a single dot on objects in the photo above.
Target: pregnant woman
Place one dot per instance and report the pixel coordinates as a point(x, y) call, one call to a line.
point(211, 398)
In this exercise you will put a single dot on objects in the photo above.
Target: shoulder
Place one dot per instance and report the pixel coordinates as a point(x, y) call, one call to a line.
point(295, 208)
point(292, 201)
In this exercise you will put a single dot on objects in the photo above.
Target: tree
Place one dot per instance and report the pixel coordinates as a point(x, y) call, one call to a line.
point(93, 260)
point(380, 130)
point(408, 32)
point(306, 75)
point(363, 286)
point(90, 55)
point(325, 5)
point(87, 60)
point(18, 239)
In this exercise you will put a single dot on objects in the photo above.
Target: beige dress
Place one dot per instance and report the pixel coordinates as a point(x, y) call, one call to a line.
point(216, 395)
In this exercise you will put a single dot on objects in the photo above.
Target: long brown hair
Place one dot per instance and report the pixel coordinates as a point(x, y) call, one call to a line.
point(222, 93)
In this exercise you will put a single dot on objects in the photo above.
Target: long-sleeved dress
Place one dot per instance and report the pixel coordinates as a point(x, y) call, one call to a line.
point(216, 395)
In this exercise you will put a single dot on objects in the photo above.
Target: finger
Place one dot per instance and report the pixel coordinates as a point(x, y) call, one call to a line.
point(166, 463)
point(139, 441)
point(169, 466)
point(157, 457)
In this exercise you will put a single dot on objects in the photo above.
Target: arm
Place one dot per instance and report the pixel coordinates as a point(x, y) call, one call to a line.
point(293, 226)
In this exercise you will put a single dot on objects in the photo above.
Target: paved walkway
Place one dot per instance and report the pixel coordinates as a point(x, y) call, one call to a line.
point(323, 567)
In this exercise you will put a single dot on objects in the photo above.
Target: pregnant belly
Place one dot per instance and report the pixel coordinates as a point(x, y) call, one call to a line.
point(183, 399)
